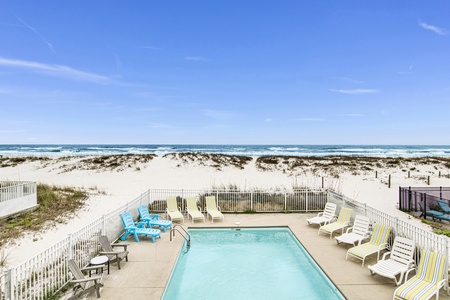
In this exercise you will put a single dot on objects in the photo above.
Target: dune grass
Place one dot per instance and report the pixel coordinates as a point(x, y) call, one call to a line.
point(56, 204)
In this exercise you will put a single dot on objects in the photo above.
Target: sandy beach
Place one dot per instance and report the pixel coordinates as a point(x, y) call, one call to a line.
point(114, 180)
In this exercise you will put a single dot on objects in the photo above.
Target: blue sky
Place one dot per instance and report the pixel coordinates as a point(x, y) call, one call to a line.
point(225, 72)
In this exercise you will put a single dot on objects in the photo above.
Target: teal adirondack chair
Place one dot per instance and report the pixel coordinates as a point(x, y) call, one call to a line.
point(153, 219)
point(137, 228)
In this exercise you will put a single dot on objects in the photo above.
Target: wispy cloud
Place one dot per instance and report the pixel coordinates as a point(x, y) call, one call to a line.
point(410, 71)
point(196, 58)
point(218, 114)
point(49, 45)
point(309, 119)
point(356, 91)
point(268, 120)
point(58, 70)
point(435, 29)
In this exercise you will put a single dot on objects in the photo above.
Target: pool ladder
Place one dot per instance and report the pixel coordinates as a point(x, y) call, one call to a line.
point(183, 233)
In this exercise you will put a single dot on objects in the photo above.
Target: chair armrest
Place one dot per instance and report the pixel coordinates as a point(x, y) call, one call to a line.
point(349, 229)
point(108, 253)
point(386, 255)
point(154, 216)
point(140, 224)
point(218, 207)
point(120, 245)
point(199, 208)
point(320, 214)
point(93, 267)
point(407, 273)
point(86, 279)
point(383, 246)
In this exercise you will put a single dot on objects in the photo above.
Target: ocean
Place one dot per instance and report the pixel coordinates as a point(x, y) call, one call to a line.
point(244, 150)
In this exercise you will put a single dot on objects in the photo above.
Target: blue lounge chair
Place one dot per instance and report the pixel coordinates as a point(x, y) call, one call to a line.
point(434, 214)
point(137, 228)
point(444, 206)
point(153, 219)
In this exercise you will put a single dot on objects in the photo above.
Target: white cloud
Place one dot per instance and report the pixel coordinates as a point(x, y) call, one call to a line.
point(57, 70)
point(196, 58)
point(49, 45)
point(355, 91)
point(435, 29)
point(268, 120)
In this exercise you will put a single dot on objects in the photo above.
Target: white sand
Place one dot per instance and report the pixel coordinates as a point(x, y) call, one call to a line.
point(161, 173)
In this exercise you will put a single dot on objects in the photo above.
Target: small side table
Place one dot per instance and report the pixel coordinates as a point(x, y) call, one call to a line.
point(100, 260)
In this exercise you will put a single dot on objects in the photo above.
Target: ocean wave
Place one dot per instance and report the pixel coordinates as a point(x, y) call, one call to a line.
point(239, 150)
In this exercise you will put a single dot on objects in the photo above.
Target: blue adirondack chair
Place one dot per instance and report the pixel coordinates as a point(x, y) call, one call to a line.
point(153, 219)
point(137, 228)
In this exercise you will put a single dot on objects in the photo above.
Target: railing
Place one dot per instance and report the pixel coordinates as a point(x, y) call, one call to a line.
point(423, 238)
point(47, 272)
point(411, 197)
point(245, 201)
point(16, 196)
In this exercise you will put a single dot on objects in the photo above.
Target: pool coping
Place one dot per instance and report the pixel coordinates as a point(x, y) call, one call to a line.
point(150, 265)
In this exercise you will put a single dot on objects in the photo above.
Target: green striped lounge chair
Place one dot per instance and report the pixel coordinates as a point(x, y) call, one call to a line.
point(378, 242)
point(428, 280)
point(342, 222)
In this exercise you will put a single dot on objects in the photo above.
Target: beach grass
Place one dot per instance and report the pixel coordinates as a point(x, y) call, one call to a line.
point(56, 204)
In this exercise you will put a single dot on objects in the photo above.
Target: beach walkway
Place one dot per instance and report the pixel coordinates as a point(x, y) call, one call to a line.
point(147, 272)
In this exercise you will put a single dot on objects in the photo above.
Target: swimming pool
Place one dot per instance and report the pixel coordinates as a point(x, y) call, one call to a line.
point(253, 263)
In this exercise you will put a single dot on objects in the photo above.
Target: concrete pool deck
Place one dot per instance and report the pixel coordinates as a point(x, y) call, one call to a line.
point(147, 272)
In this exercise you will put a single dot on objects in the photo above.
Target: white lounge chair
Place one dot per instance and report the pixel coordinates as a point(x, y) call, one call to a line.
point(400, 260)
point(343, 221)
point(325, 217)
point(378, 242)
point(173, 210)
point(193, 210)
point(357, 233)
point(428, 280)
point(213, 209)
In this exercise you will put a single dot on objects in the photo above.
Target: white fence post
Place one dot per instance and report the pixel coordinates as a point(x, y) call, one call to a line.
point(251, 200)
point(10, 288)
point(307, 199)
point(285, 200)
point(103, 225)
point(69, 251)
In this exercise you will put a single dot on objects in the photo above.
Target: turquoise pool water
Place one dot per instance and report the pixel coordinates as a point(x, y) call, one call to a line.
point(267, 263)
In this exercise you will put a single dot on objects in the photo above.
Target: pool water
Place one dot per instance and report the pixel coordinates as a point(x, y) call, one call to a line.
point(264, 263)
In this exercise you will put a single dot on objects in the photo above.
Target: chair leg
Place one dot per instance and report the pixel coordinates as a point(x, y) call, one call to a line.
point(97, 288)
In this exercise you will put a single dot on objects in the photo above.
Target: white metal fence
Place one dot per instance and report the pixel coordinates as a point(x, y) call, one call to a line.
point(16, 196)
point(424, 239)
point(245, 201)
point(47, 272)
